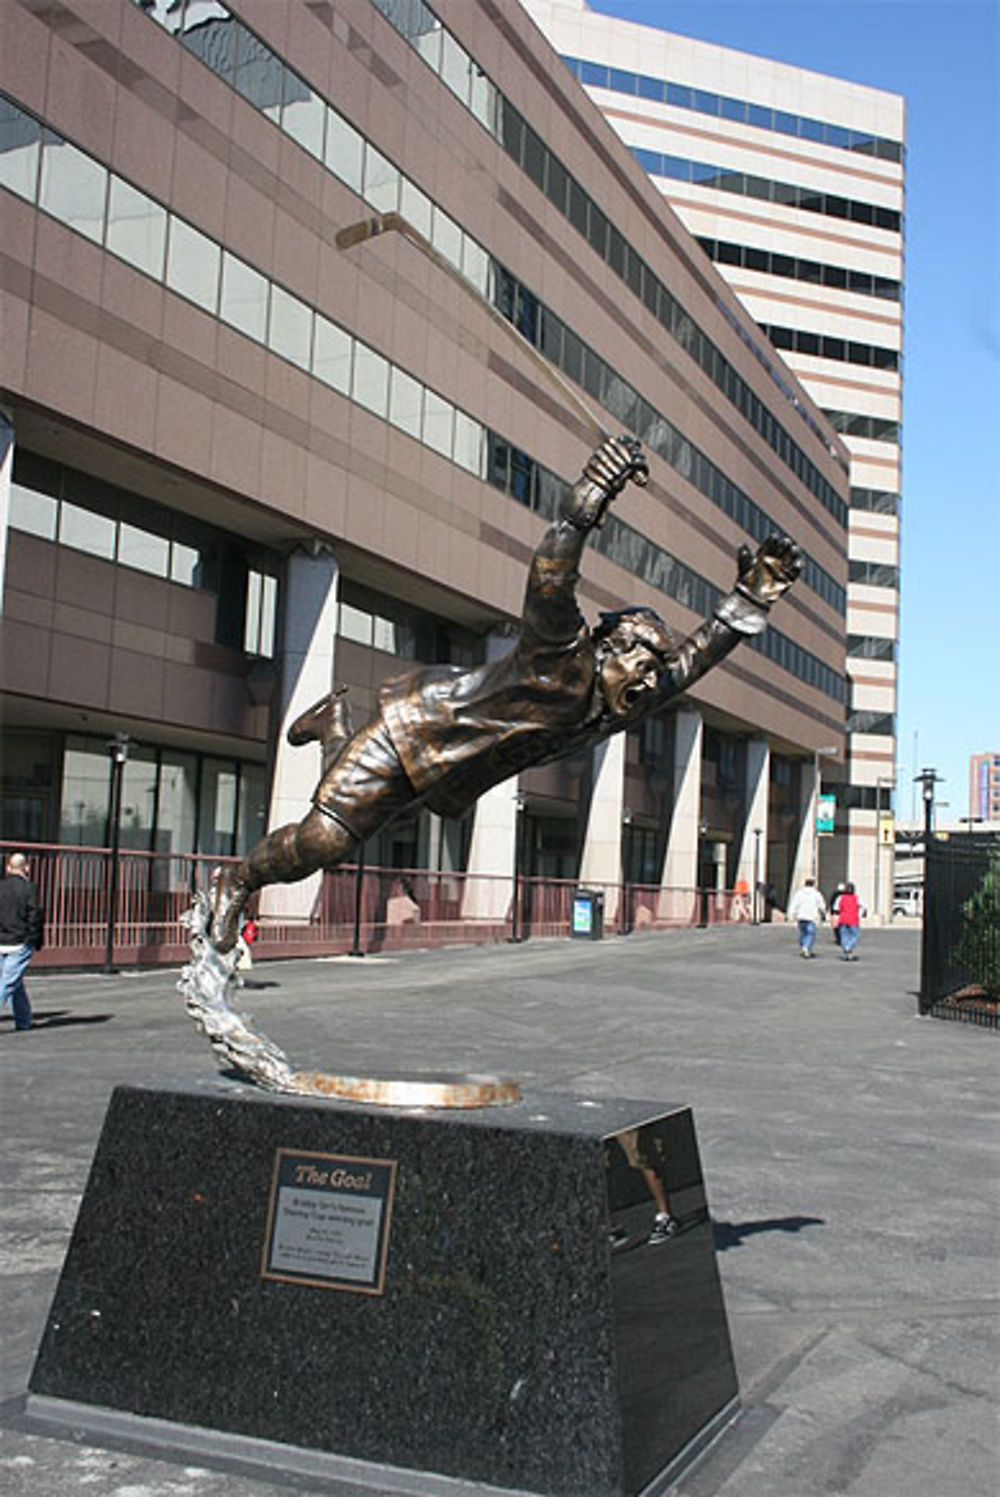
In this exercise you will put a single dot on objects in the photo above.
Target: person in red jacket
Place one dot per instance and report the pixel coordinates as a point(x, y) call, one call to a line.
point(848, 922)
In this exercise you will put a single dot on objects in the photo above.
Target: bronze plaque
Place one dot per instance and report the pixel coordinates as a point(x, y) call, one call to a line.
point(328, 1221)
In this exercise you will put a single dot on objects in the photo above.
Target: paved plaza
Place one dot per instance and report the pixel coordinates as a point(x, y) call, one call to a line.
point(850, 1151)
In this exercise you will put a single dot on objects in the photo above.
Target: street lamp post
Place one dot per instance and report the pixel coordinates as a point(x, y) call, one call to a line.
point(359, 888)
point(927, 779)
point(756, 875)
point(702, 886)
point(627, 872)
point(118, 753)
point(516, 921)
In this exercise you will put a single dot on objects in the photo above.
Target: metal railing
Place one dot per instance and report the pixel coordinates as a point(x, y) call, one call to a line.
point(960, 948)
point(93, 919)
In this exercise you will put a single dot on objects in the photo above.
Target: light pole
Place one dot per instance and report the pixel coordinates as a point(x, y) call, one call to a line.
point(359, 887)
point(118, 753)
point(756, 875)
point(627, 872)
point(516, 934)
point(927, 779)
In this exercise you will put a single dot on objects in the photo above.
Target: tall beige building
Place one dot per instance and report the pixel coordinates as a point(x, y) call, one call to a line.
point(793, 184)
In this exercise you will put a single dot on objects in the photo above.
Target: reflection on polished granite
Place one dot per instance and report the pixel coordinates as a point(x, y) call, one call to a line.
point(536, 1329)
point(675, 1363)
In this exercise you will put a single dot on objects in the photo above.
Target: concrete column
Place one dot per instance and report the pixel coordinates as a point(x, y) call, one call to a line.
point(489, 887)
point(680, 862)
point(868, 865)
point(758, 800)
point(804, 865)
point(6, 466)
point(601, 859)
point(305, 665)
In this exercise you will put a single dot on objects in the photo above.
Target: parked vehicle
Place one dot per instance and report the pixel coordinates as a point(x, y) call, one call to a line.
point(908, 899)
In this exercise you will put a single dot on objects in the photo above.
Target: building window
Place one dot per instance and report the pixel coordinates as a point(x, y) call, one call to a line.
point(73, 186)
point(871, 647)
point(878, 501)
point(874, 573)
point(261, 613)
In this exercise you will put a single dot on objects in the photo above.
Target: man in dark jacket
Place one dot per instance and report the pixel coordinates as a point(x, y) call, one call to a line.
point(21, 926)
point(444, 734)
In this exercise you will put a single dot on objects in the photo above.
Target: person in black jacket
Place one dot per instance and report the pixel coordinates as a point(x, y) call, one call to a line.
point(21, 925)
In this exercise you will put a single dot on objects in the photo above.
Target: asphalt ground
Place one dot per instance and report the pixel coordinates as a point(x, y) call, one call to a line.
point(850, 1149)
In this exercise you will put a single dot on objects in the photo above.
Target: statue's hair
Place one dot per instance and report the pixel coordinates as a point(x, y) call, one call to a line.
point(657, 636)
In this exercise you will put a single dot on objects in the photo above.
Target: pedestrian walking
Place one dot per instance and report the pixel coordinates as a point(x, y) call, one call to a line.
point(835, 912)
point(21, 927)
point(850, 909)
point(808, 908)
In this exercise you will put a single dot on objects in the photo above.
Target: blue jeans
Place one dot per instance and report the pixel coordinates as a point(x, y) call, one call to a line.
point(13, 965)
point(807, 934)
point(848, 938)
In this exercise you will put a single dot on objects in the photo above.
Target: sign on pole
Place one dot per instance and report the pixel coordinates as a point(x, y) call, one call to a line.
point(826, 815)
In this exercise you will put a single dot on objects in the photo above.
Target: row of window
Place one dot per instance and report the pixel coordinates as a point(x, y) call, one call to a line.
point(72, 509)
point(43, 167)
point(324, 349)
point(740, 111)
point(864, 797)
point(228, 47)
point(567, 352)
point(872, 428)
point(813, 272)
point(77, 526)
point(798, 340)
point(384, 623)
point(538, 489)
point(248, 301)
point(874, 573)
point(172, 802)
point(785, 194)
point(371, 380)
point(551, 177)
point(415, 21)
point(871, 647)
point(876, 501)
point(881, 724)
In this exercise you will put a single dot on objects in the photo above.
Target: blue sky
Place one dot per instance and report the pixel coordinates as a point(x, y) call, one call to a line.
point(943, 56)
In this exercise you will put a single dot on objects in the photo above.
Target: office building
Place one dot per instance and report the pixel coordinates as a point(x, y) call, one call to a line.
point(242, 461)
point(793, 184)
point(984, 787)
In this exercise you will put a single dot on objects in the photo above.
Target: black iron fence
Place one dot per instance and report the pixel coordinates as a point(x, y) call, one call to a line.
point(960, 954)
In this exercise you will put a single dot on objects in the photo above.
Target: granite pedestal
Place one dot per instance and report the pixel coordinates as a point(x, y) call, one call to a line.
point(491, 1297)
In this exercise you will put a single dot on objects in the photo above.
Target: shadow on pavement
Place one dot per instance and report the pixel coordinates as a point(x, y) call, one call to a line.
point(731, 1234)
point(61, 1018)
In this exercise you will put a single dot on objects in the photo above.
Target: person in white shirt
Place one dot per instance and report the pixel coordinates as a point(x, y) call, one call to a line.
point(808, 908)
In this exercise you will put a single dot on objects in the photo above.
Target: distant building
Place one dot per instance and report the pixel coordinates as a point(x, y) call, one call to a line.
point(984, 787)
point(792, 182)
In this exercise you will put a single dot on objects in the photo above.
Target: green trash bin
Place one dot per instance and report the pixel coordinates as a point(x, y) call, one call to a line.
point(586, 918)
